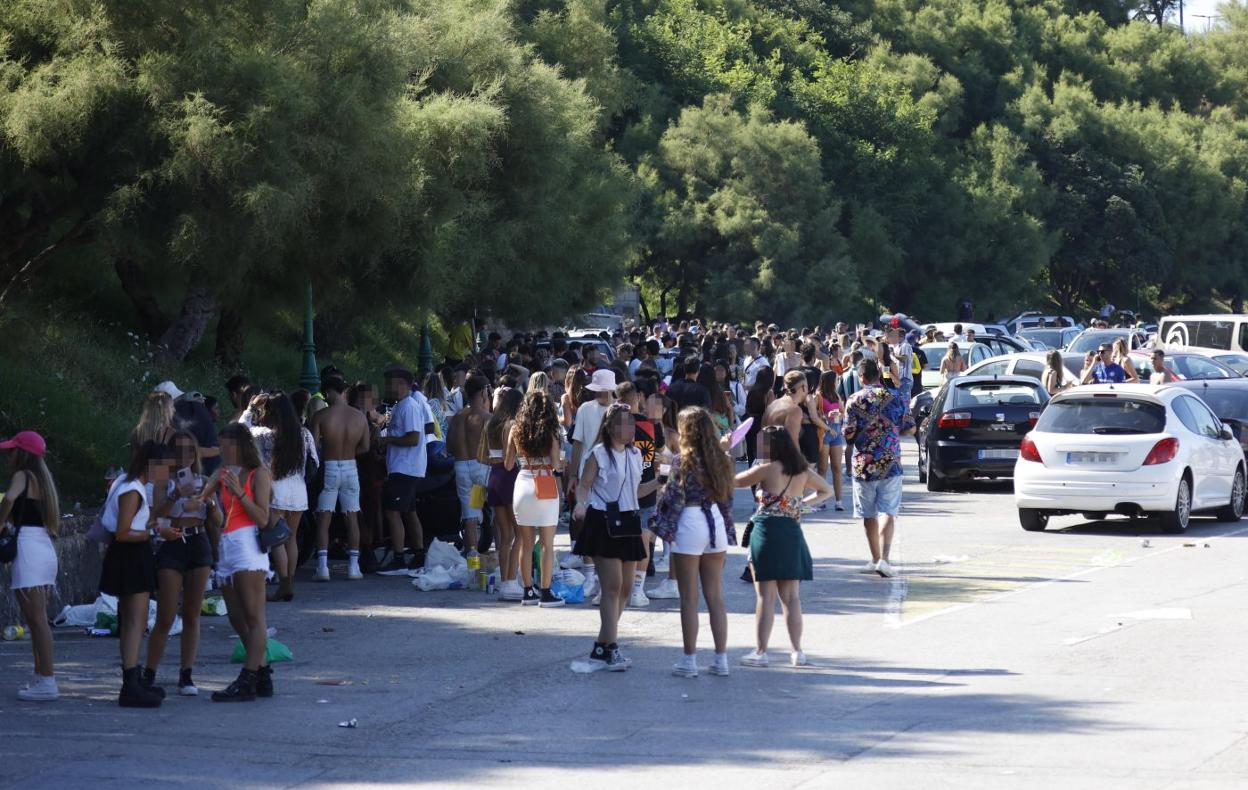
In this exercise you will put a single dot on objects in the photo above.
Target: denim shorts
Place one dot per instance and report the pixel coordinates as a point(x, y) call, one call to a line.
point(875, 497)
point(342, 487)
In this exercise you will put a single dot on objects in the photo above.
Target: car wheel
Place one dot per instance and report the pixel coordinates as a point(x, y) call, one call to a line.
point(1234, 510)
point(1033, 520)
point(934, 483)
point(1175, 522)
point(922, 465)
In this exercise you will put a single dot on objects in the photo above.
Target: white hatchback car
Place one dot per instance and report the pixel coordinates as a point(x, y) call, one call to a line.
point(1132, 449)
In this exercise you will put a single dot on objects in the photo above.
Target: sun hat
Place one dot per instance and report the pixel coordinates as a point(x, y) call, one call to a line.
point(603, 381)
point(29, 441)
point(169, 388)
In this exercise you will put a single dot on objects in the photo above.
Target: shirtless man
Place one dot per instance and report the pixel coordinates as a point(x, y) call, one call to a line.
point(341, 432)
point(463, 436)
point(798, 413)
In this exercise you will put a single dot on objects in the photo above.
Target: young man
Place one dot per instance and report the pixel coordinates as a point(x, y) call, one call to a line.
point(341, 433)
point(875, 420)
point(754, 361)
point(903, 353)
point(1159, 374)
point(1105, 370)
point(687, 391)
point(463, 437)
point(406, 462)
point(237, 387)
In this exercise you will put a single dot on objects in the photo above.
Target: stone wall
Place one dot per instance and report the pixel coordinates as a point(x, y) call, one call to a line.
point(78, 578)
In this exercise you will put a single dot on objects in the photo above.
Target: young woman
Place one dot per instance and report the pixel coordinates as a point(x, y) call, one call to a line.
point(155, 423)
point(31, 505)
point(608, 501)
point(246, 488)
point(500, 491)
point(533, 450)
point(292, 446)
point(696, 509)
point(779, 556)
point(721, 408)
point(757, 400)
point(573, 395)
point(1123, 358)
point(833, 450)
point(952, 364)
point(129, 571)
point(434, 390)
point(183, 562)
point(1054, 378)
point(668, 589)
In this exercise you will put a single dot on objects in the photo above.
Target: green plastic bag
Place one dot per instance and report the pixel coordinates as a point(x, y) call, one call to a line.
point(106, 620)
point(275, 652)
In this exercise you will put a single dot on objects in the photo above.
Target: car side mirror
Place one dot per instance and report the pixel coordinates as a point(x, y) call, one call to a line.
point(1225, 434)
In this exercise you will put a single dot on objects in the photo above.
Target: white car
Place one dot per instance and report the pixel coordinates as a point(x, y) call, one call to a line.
point(1132, 449)
point(933, 353)
point(1030, 363)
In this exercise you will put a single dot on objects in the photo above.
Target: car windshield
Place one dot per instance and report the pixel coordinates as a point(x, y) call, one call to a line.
point(992, 394)
point(1049, 338)
point(1235, 362)
point(1195, 367)
point(1090, 341)
point(1102, 415)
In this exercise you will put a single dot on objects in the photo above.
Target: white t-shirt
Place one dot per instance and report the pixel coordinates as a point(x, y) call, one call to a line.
point(904, 357)
point(588, 424)
point(406, 417)
point(754, 366)
point(112, 507)
point(617, 477)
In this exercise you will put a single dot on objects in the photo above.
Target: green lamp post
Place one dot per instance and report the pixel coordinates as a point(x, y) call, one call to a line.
point(425, 358)
point(310, 378)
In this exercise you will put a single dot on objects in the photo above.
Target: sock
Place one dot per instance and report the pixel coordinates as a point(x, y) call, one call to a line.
point(721, 658)
point(639, 577)
point(667, 550)
point(354, 554)
point(322, 558)
point(590, 573)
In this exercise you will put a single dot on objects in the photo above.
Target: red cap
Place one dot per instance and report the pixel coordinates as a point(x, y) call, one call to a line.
point(29, 441)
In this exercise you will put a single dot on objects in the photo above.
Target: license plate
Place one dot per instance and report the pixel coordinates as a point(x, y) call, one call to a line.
point(990, 454)
point(1091, 458)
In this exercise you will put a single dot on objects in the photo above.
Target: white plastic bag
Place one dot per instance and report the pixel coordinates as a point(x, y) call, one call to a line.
point(443, 555)
point(569, 576)
point(174, 629)
point(436, 578)
point(79, 616)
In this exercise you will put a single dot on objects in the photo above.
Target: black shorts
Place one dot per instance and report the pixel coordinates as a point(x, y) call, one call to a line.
point(129, 569)
point(398, 493)
point(185, 555)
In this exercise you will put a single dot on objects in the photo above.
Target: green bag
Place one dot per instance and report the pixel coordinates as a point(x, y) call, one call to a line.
point(274, 652)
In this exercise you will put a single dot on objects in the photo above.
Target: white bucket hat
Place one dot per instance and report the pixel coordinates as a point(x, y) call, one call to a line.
point(603, 381)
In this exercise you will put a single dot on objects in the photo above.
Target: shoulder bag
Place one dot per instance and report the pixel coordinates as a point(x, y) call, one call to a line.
point(623, 523)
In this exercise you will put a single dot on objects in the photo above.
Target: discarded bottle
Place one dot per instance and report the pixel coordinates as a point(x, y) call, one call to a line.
point(474, 571)
point(13, 633)
point(537, 562)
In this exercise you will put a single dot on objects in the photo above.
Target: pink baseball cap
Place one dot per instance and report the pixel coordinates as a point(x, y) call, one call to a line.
point(29, 441)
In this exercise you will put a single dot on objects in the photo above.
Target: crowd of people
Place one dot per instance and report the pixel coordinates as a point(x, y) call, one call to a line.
point(631, 440)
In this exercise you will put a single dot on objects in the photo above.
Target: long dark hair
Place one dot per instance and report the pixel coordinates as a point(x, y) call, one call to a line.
point(706, 377)
point(240, 435)
point(509, 401)
point(186, 436)
point(279, 415)
point(150, 452)
point(756, 398)
point(613, 413)
point(537, 425)
point(781, 448)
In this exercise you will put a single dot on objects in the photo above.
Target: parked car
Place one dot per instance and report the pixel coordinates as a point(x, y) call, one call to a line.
point(1030, 363)
point(972, 428)
point(1182, 366)
point(1000, 344)
point(1091, 339)
point(1130, 449)
point(1235, 360)
point(1032, 319)
point(1052, 338)
point(1228, 399)
point(933, 353)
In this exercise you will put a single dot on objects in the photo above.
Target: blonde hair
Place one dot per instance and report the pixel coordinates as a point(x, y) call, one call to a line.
point(49, 501)
point(156, 421)
point(539, 381)
point(701, 455)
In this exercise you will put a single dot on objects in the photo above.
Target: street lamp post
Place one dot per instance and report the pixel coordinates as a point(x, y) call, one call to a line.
point(425, 358)
point(310, 378)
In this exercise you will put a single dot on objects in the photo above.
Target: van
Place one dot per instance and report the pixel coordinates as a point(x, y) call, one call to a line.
point(1226, 332)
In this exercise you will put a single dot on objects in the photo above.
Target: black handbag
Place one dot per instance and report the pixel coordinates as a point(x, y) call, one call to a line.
point(622, 523)
point(8, 545)
point(272, 536)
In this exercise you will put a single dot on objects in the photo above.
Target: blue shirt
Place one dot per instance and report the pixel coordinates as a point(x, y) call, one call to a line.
point(1108, 374)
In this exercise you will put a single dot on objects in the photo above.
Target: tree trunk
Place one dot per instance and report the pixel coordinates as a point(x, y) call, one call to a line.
point(146, 308)
point(231, 335)
point(198, 309)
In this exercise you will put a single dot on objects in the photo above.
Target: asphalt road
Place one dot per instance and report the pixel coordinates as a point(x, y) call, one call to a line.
point(998, 659)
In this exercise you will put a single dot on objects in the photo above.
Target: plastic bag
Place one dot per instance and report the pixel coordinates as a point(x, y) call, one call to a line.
point(569, 576)
point(443, 555)
point(214, 606)
point(568, 592)
point(83, 615)
point(274, 652)
point(436, 578)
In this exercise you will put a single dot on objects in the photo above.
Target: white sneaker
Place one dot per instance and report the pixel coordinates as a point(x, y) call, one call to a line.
point(668, 590)
point(755, 659)
point(510, 591)
point(686, 667)
point(662, 565)
point(41, 689)
point(597, 599)
point(720, 667)
point(571, 561)
point(322, 573)
point(353, 569)
point(593, 588)
point(885, 570)
point(870, 567)
point(638, 598)
point(799, 659)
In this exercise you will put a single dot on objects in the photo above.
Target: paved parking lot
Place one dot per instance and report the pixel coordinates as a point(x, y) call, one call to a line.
point(999, 659)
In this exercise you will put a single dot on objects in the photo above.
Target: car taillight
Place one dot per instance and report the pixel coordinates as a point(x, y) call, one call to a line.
point(1028, 452)
point(1033, 418)
point(1163, 452)
point(955, 419)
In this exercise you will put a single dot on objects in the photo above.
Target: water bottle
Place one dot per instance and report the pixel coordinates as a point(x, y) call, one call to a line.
point(474, 570)
point(13, 633)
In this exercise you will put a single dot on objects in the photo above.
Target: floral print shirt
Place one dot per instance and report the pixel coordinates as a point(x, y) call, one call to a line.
point(876, 414)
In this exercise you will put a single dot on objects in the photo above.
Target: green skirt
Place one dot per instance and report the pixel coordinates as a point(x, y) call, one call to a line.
point(778, 550)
